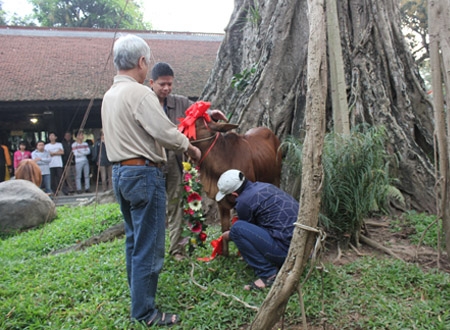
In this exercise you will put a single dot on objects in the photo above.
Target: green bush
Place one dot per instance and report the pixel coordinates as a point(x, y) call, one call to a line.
point(356, 177)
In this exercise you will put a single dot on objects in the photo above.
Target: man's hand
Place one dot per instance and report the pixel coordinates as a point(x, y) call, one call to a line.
point(226, 235)
point(194, 153)
point(217, 115)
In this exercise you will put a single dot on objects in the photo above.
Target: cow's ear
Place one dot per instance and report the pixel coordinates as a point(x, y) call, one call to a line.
point(222, 127)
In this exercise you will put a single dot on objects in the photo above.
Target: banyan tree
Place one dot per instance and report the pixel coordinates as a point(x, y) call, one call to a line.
point(261, 70)
point(271, 70)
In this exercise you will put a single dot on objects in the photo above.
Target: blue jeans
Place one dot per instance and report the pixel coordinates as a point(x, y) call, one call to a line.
point(261, 252)
point(46, 183)
point(82, 168)
point(141, 193)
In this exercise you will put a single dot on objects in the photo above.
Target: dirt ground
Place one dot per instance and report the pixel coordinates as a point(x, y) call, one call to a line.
point(377, 229)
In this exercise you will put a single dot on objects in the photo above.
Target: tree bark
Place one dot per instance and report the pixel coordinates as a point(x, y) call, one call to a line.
point(384, 86)
point(439, 40)
point(338, 88)
point(312, 174)
point(445, 52)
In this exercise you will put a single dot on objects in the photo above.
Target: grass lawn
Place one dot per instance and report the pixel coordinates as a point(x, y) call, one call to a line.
point(88, 290)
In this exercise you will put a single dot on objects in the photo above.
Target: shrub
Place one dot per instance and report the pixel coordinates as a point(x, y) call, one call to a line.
point(356, 178)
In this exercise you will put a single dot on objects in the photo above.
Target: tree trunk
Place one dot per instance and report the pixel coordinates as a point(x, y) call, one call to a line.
point(384, 86)
point(339, 104)
point(312, 174)
point(438, 28)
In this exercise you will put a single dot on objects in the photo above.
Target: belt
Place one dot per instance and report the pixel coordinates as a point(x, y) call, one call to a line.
point(139, 162)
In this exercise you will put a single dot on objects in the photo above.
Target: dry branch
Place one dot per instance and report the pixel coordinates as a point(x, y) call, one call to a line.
point(109, 234)
point(378, 246)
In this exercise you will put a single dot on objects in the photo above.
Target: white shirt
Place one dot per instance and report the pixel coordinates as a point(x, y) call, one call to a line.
point(56, 159)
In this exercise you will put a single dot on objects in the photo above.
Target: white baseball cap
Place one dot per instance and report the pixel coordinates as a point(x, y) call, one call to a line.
point(229, 182)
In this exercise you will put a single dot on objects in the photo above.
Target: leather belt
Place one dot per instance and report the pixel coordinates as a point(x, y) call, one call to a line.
point(139, 162)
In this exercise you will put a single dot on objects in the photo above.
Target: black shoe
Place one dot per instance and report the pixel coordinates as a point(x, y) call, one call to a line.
point(87, 191)
point(79, 192)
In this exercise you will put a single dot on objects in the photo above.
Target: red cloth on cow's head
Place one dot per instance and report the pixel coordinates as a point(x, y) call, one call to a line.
point(195, 111)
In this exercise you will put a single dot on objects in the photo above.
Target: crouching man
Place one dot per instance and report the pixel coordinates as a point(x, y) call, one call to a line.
point(265, 225)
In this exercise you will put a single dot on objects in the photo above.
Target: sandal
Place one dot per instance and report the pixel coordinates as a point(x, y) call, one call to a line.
point(164, 319)
point(267, 283)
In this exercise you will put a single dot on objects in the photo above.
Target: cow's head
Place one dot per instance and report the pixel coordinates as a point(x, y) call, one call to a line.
point(221, 127)
point(204, 128)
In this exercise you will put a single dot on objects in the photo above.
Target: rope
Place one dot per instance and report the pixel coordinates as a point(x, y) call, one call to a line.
point(305, 227)
point(209, 149)
point(321, 237)
point(204, 139)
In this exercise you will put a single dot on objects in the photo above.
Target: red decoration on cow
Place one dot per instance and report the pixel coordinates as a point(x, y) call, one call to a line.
point(195, 111)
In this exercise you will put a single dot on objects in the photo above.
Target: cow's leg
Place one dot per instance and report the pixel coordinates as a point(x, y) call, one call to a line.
point(226, 224)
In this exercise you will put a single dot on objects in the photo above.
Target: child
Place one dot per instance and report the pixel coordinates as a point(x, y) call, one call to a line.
point(21, 154)
point(56, 150)
point(80, 150)
point(43, 158)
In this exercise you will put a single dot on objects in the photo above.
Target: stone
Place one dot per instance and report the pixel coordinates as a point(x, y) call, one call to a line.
point(107, 197)
point(23, 205)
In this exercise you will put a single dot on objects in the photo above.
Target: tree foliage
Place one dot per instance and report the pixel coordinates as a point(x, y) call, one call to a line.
point(2, 14)
point(106, 14)
point(414, 17)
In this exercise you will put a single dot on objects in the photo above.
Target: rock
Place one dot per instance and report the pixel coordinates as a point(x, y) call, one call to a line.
point(104, 198)
point(107, 197)
point(23, 205)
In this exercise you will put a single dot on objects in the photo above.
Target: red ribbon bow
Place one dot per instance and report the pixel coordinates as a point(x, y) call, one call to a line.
point(195, 111)
point(217, 245)
point(217, 249)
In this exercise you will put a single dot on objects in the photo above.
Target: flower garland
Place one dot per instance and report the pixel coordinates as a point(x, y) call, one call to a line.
point(192, 208)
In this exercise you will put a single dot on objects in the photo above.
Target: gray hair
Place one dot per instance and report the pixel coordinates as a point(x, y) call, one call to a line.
point(128, 50)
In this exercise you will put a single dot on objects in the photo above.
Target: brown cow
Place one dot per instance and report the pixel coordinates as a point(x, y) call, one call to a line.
point(255, 154)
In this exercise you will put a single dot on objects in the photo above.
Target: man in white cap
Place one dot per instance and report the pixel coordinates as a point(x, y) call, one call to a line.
point(263, 232)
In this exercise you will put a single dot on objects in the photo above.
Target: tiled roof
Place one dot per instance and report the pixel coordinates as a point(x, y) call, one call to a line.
point(41, 64)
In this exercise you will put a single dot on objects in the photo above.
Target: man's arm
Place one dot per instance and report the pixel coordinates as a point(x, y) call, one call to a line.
point(226, 235)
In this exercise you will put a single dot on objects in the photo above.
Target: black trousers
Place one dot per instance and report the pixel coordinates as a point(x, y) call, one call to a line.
point(55, 175)
point(2, 172)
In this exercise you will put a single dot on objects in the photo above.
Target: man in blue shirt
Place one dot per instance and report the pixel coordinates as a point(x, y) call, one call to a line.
point(263, 232)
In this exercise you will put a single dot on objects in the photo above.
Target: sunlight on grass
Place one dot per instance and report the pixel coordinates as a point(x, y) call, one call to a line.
point(88, 289)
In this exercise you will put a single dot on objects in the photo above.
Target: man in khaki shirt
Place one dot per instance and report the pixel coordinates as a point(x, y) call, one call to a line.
point(136, 132)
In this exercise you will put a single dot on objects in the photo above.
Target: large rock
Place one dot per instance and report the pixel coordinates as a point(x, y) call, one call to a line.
point(107, 197)
point(23, 205)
